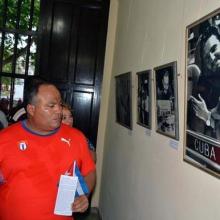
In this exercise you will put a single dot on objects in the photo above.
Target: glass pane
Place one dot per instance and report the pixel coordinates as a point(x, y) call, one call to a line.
point(25, 14)
point(5, 93)
point(18, 92)
point(32, 57)
point(11, 14)
point(8, 52)
point(1, 12)
point(21, 54)
point(36, 15)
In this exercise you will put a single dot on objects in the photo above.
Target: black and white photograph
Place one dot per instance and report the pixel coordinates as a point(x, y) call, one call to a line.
point(123, 100)
point(167, 120)
point(144, 99)
point(202, 133)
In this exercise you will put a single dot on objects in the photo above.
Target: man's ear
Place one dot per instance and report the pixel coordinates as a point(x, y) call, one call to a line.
point(30, 109)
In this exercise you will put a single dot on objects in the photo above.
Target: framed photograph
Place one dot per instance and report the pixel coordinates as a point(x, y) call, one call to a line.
point(144, 99)
point(202, 112)
point(123, 100)
point(167, 120)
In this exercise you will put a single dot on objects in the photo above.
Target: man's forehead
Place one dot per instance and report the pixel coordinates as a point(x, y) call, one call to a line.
point(48, 88)
point(48, 91)
point(212, 40)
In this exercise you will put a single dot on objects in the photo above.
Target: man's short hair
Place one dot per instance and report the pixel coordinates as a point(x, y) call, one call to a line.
point(204, 36)
point(31, 89)
point(166, 74)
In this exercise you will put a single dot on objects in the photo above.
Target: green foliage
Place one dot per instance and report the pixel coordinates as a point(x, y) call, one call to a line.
point(23, 23)
point(6, 80)
point(11, 13)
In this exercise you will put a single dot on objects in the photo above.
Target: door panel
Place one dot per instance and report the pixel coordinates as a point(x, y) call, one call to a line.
point(60, 39)
point(72, 55)
point(87, 43)
point(82, 105)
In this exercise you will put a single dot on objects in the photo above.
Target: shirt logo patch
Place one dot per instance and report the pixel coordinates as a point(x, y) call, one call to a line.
point(22, 145)
point(66, 140)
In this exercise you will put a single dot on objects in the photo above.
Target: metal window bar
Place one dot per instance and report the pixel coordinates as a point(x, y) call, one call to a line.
point(18, 14)
point(28, 54)
point(17, 31)
point(4, 12)
point(31, 15)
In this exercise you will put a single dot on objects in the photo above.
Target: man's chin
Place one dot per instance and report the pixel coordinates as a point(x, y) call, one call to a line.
point(56, 125)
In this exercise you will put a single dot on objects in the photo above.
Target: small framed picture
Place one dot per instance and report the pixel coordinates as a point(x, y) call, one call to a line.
point(144, 98)
point(202, 112)
point(167, 120)
point(123, 100)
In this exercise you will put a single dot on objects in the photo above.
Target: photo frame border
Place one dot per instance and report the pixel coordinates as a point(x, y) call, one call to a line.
point(185, 157)
point(129, 75)
point(176, 108)
point(149, 72)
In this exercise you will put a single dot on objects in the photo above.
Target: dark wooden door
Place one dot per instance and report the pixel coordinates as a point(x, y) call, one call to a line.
point(72, 48)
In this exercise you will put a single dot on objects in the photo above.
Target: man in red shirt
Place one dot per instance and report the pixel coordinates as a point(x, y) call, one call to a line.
point(33, 155)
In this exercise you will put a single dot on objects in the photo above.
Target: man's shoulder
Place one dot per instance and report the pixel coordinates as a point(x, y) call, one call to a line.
point(71, 131)
point(11, 129)
point(9, 134)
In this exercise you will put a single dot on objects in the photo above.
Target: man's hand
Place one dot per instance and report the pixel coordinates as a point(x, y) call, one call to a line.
point(200, 108)
point(80, 204)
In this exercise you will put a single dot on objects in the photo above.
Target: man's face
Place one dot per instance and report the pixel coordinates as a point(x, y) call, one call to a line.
point(45, 113)
point(165, 82)
point(211, 54)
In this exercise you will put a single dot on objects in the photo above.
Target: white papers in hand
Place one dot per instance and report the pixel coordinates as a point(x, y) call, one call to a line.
point(65, 195)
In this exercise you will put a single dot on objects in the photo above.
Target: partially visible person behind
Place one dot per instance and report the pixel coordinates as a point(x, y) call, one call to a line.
point(4, 105)
point(3, 120)
point(67, 118)
point(33, 155)
point(18, 112)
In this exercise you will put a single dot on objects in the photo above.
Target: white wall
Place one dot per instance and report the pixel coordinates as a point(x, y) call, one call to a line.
point(103, 116)
point(143, 178)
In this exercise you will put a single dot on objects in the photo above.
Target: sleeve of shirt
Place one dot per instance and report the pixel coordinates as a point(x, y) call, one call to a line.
point(87, 163)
